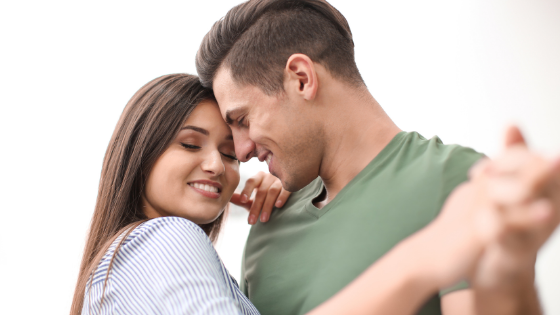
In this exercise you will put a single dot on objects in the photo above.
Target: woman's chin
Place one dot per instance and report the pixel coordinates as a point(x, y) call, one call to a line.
point(203, 219)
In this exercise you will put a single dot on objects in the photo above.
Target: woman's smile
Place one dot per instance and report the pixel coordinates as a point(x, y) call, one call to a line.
point(207, 188)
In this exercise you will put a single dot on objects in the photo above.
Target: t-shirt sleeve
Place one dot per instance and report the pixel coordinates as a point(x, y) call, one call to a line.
point(455, 172)
point(456, 169)
point(171, 267)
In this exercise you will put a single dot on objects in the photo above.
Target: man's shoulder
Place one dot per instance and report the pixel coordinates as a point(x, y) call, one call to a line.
point(432, 154)
point(442, 165)
point(435, 148)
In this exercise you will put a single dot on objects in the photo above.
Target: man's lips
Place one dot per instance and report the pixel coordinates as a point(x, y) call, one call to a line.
point(264, 156)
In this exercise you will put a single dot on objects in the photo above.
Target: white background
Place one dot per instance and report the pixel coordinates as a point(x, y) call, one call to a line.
point(458, 69)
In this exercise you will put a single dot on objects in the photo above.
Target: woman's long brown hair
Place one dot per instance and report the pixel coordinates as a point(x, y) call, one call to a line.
point(150, 121)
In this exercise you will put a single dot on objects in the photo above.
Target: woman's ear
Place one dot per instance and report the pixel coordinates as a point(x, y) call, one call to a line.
point(302, 77)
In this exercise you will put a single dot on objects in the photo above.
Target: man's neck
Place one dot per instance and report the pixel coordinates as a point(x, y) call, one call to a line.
point(358, 130)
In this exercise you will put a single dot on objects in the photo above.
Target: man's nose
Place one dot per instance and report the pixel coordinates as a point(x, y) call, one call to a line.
point(244, 146)
point(213, 164)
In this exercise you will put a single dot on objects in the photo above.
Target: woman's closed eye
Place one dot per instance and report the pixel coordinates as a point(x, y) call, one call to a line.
point(195, 147)
point(231, 157)
point(190, 146)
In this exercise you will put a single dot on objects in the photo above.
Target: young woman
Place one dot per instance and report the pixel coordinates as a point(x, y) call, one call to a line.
point(168, 174)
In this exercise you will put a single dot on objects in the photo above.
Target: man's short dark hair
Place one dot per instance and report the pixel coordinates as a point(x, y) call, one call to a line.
point(256, 38)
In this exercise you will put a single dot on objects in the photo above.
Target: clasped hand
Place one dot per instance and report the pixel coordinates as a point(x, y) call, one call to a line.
point(491, 227)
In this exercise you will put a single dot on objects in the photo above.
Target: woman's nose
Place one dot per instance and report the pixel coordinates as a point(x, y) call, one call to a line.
point(213, 164)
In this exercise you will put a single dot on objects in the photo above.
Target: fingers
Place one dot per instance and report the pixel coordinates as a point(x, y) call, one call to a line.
point(527, 228)
point(271, 197)
point(268, 195)
point(261, 196)
point(528, 203)
point(479, 168)
point(525, 218)
point(250, 185)
point(517, 176)
point(236, 200)
point(507, 191)
point(514, 137)
point(282, 198)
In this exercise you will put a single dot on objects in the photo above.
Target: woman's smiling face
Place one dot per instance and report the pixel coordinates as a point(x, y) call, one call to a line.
point(197, 174)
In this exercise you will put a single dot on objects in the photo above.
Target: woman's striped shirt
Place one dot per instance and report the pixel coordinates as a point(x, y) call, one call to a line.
point(165, 266)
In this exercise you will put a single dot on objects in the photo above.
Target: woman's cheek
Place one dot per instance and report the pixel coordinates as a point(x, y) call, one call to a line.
point(235, 175)
point(232, 174)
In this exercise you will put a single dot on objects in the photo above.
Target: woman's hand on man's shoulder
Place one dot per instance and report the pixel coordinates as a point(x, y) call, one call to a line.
point(270, 194)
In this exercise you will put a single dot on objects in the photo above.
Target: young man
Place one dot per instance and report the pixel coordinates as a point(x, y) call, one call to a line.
point(284, 75)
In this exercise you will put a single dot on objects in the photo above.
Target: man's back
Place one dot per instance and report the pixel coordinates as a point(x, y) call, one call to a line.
point(304, 255)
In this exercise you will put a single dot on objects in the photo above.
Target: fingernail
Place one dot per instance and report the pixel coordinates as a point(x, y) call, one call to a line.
point(243, 198)
point(278, 203)
point(252, 219)
point(264, 217)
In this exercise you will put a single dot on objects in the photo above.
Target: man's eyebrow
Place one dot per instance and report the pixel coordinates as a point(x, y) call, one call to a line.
point(233, 112)
point(198, 129)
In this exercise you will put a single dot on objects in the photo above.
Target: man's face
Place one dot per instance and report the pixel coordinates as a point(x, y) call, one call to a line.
point(281, 130)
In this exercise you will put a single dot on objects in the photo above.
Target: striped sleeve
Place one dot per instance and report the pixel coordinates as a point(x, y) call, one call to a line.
point(169, 266)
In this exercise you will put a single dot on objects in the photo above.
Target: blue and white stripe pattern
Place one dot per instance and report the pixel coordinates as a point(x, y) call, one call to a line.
point(165, 266)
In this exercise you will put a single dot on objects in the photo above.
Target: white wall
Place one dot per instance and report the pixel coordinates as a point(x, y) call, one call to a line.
point(459, 69)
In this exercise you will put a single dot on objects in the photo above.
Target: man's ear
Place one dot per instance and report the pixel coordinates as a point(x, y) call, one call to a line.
point(302, 76)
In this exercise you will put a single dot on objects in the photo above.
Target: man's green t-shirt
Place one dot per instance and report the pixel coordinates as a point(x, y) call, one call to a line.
point(304, 255)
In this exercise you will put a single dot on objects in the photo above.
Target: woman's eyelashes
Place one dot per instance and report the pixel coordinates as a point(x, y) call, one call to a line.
point(231, 157)
point(195, 147)
point(190, 146)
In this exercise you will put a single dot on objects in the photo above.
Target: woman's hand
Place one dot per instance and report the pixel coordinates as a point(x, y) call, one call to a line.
point(270, 193)
point(492, 226)
point(524, 190)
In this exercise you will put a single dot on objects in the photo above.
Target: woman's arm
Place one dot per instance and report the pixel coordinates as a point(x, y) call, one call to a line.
point(171, 267)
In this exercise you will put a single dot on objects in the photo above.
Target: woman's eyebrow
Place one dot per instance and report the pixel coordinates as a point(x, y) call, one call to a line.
point(197, 129)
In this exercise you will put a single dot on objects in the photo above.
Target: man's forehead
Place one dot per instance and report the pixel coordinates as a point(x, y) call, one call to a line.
point(224, 85)
point(231, 96)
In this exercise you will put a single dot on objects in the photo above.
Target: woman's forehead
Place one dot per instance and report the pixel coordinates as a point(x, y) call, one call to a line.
point(207, 116)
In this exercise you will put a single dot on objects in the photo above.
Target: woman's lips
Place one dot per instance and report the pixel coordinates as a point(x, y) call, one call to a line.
point(210, 191)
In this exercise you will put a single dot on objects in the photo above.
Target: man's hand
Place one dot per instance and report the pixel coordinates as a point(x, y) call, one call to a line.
point(270, 193)
point(523, 194)
point(491, 227)
point(523, 198)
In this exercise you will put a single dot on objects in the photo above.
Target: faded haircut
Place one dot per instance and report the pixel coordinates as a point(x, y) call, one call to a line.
point(255, 39)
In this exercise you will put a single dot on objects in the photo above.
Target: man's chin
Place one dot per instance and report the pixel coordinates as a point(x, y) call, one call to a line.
point(293, 186)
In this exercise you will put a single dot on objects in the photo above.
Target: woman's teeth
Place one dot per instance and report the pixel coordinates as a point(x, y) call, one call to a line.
point(204, 187)
point(268, 158)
